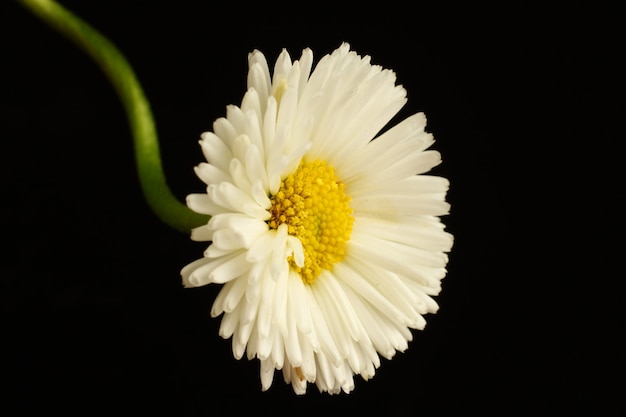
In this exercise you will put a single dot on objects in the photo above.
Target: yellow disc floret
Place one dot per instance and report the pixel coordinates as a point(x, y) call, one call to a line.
point(314, 205)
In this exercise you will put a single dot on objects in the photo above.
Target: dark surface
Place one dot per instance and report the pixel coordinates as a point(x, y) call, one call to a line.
point(94, 318)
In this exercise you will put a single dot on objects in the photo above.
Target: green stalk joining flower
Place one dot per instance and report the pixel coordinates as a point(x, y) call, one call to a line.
point(123, 79)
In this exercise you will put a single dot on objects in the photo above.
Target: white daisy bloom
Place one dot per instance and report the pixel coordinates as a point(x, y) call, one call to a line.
point(328, 243)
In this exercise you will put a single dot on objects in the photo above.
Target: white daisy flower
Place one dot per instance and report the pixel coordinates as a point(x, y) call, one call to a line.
point(328, 243)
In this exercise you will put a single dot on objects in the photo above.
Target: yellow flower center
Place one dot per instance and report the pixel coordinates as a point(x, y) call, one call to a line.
point(314, 205)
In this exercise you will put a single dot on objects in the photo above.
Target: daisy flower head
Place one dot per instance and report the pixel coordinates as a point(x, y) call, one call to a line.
point(324, 232)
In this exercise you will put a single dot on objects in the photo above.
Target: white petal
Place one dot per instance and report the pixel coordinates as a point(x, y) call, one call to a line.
point(236, 230)
point(269, 125)
point(253, 297)
point(264, 316)
point(251, 107)
point(255, 170)
point(215, 151)
point(368, 117)
point(306, 63)
point(239, 343)
point(259, 194)
point(414, 232)
point(262, 247)
point(386, 282)
point(327, 343)
point(239, 175)
point(373, 327)
point(308, 359)
point(230, 197)
point(237, 118)
point(225, 130)
point(228, 325)
point(296, 249)
point(228, 297)
point(213, 252)
point(233, 268)
point(368, 292)
point(403, 255)
point(278, 351)
point(202, 203)
point(403, 264)
point(211, 174)
point(292, 344)
point(281, 67)
point(267, 374)
point(298, 303)
point(325, 377)
point(337, 329)
point(392, 205)
point(259, 74)
point(335, 295)
point(187, 270)
point(258, 81)
point(280, 314)
point(201, 233)
point(390, 168)
point(278, 259)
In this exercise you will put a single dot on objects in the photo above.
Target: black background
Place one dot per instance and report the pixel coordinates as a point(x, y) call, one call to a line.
point(94, 318)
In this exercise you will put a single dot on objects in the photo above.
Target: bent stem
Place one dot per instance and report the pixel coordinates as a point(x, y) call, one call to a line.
point(121, 75)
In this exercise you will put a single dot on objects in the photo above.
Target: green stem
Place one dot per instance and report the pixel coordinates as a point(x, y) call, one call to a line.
point(121, 75)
